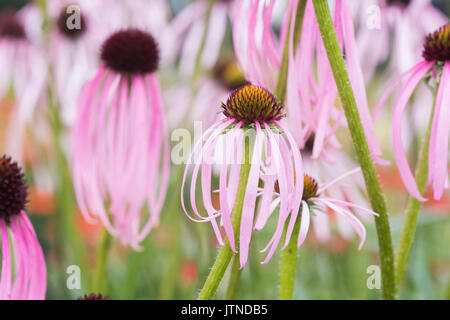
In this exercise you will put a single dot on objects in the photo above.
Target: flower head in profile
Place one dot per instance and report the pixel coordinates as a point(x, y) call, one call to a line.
point(121, 153)
point(24, 67)
point(23, 272)
point(316, 202)
point(435, 65)
point(250, 135)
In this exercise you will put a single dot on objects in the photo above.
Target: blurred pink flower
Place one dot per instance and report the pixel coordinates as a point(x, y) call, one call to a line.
point(121, 152)
point(397, 32)
point(197, 31)
point(253, 112)
point(436, 64)
point(311, 91)
point(23, 272)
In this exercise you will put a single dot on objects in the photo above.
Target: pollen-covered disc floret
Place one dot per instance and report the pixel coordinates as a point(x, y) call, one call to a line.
point(437, 45)
point(310, 187)
point(10, 26)
point(131, 52)
point(69, 28)
point(252, 103)
point(13, 189)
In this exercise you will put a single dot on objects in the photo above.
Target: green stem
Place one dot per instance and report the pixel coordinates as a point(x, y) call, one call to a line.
point(288, 265)
point(280, 90)
point(235, 277)
point(225, 254)
point(413, 207)
point(359, 141)
point(100, 275)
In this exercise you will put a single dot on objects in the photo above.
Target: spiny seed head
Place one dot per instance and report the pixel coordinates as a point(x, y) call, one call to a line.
point(13, 189)
point(131, 51)
point(10, 26)
point(310, 187)
point(400, 3)
point(67, 30)
point(252, 103)
point(228, 73)
point(93, 296)
point(437, 45)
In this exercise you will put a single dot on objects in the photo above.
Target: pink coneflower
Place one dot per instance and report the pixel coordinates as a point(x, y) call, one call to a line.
point(311, 93)
point(397, 32)
point(436, 63)
point(23, 272)
point(197, 32)
point(72, 53)
point(121, 154)
point(326, 169)
point(253, 112)
point(315, 202)
point(23, 65)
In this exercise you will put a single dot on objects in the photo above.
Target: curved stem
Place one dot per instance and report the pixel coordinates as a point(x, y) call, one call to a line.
point(225, 254)
point(235, 277)
point(100, 275)
point(359, 141)
point(288, 265)
point(413, 207)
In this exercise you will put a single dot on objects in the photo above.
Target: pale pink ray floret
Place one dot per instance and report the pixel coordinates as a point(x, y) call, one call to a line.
point(121, 151)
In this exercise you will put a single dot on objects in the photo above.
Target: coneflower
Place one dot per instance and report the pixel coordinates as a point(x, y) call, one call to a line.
point(23, 65)
point(436, 64)
point(23, 272)
point(121, 152)
point(72, 54)
point(251, 112)
point(396, 35)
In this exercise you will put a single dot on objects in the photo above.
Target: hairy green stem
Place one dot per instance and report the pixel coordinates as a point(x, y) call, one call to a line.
point(225, 253)
point(280, 90)
point(413, 207)
point(101, 272)
point(235, 276)
point(288, 265)
point(377, 200)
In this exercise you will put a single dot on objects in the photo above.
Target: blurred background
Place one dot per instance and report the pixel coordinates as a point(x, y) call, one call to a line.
point(177, 255)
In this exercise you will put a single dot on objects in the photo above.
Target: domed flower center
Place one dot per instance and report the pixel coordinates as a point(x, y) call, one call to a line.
point(437, 45)
point(251, 103)
point(401, 3)
point(70, 24)
point(310, 187)
point(228, 73)
point(131, 52)
point(10, 26)
point(13, 189)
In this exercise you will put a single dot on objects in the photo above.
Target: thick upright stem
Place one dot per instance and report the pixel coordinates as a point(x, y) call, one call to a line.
point(412, 209)
point(235, 277)
point(359, 141)
point(100, 276)
point(225, 254)
point(288, 265)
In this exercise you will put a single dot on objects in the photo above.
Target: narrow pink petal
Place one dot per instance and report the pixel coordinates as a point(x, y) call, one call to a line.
point(400, 105)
